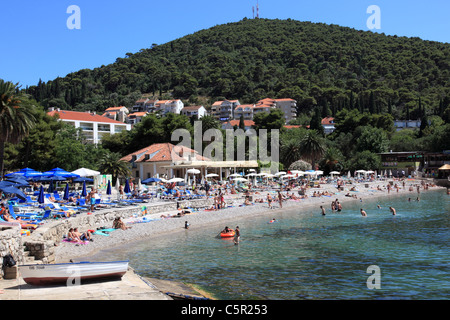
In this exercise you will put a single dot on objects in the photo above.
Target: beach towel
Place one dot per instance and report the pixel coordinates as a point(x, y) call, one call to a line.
point(104, 232)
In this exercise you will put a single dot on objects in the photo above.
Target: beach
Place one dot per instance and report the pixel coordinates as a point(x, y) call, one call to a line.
point(164, 227)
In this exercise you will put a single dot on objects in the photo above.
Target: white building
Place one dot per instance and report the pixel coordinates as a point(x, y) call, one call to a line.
point(93, 126)
point(224, 110)
point(199, 111)
point(287, 105)
point(169, 106)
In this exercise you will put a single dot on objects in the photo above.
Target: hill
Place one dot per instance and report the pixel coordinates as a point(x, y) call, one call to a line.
point(318, 65)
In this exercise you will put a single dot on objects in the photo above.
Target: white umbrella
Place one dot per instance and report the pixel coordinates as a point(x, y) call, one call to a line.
point(334, 172)
point(234, 175)
point(84, 172)
point(240, 179)
point(250, 174)
point(280, 173)
point(318, 172)
point(194, 171)
point(175, 180)
point(288, 176)
point(209, 175)
point(360, 171)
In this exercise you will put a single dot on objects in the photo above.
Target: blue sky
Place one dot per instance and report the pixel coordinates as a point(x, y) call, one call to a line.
point(38, 44)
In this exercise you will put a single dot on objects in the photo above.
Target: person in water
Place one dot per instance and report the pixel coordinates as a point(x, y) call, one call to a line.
point(393, 211)
point(237, 235)
point(363, 213)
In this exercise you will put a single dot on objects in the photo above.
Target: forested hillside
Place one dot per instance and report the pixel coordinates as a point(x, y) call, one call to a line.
point(318, 65)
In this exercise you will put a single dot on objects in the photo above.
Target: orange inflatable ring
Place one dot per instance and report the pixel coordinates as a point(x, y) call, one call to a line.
point(228, 234)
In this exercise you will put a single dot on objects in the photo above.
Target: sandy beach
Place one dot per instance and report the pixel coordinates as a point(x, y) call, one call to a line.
point(162, 227)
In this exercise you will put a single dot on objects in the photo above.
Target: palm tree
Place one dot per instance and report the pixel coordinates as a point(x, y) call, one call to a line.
point(312, 147)
point(289, 152)
point(16, 117)
point(111, 164)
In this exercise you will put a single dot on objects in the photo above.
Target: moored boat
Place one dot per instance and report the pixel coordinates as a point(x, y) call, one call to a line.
point(70, 273)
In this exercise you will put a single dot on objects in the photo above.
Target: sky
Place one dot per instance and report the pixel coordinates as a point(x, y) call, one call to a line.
point(39, 41)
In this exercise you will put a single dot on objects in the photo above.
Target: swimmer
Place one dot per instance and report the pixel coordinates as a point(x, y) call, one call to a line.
point(323, 210)
point(363, 213)
point(378, 206)
point(272, 221)
point(393, 211)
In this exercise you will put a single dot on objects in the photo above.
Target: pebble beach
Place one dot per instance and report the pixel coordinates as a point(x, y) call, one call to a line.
point(164, 224)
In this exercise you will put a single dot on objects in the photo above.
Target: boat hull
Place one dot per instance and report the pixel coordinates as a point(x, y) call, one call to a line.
point(71, 273)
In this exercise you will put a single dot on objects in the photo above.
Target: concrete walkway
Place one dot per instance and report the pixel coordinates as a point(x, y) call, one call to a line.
point(130, 287)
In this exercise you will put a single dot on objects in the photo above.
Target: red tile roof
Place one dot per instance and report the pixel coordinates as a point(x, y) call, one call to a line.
point(81, 116)
point(161, 152)
point(328, 121)
point(247, 123)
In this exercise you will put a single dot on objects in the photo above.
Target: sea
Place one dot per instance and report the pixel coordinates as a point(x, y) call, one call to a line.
point(305, 255)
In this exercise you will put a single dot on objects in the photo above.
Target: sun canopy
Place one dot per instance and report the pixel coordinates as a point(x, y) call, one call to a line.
point(84, 172)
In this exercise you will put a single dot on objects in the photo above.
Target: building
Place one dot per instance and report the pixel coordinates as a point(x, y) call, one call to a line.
point(401, 164)
point(156, 159)
point(117, 113)
point(328, 125)
point(136, 117)
point(198, 111)
point(169, 106)
point(224, 110)
point(287, 105)
point(144, 105)
point(93, 126)
point(248, 124)
point(245, 110)
point(407, 124)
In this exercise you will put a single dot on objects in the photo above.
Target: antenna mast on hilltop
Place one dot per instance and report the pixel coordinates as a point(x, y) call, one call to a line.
point(253, 8)
point(257, 9)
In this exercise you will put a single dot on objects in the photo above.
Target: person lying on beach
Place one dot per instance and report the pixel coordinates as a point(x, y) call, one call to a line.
point(86, 236)
point(119, 224)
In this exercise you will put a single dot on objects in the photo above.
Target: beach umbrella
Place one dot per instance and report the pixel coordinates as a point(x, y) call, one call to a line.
point(66, 192)
point(26, 172)
point(84, 172)
point(83, 191)
point(13, 190)
point(60, 173)
point(50, 187)
point(150, 180)
point(41, 195)
point(209, 175)
point(234, 175)
point(280, 173)
point(318, 172)
point(349, 175)
point(175, 180)
point(127, 189)
point(193, 171)
point(18, 181)
point(108, 188)
point(334, 172)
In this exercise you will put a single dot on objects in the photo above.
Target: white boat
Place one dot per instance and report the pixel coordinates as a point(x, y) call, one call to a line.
point(71, 273)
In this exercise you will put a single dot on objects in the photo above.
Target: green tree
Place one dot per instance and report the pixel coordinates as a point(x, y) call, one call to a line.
point(16, 117)
point(112, 164)
point(312, 147)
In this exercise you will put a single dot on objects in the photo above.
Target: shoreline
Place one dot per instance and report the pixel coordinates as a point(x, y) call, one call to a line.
point(198, 220)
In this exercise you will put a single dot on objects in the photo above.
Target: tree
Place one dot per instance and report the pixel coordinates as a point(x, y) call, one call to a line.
point(111, 164)
point(312, 147)
point(16, 117)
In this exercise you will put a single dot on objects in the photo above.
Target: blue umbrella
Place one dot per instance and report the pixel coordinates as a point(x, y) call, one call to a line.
point(83, 192)
point(60, 173)
point(82, 179)
point(13, 190)
point(108, 188)
point(150, 180)
point(41, 195)
point(51, 188)
point(27, 173)
point(66, 192)
point(127, 187)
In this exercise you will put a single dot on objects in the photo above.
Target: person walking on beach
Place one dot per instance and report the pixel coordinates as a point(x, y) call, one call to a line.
point(280, 199)
point(269, 200)
point(237, 235)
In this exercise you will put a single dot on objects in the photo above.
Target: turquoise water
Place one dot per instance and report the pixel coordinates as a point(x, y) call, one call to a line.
point(309, 256)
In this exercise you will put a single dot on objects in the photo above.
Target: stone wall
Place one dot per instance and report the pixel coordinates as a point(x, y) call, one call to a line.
point(41, 243)
point(11, 243)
